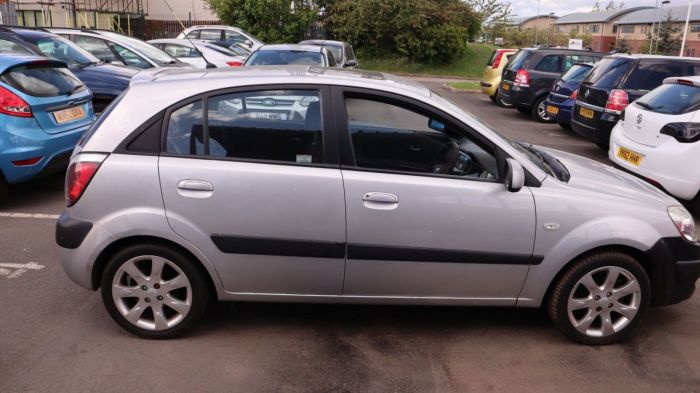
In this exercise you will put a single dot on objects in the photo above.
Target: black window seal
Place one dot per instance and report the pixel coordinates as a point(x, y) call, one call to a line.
point(122, 148)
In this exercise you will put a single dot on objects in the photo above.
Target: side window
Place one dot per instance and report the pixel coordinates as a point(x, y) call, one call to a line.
point(275, 125)
point(193, 35)
point(549, 63)
point(390, 137)
point(97, 47)
point(11, 47)
point(234, 37)
point(649, 75)
point(210, 35)
point(130, 58)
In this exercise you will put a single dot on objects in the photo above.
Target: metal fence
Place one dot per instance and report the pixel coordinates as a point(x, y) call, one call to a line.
point(171, 28)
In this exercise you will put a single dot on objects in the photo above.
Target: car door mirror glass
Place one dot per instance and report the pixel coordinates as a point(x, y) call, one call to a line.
point(436, 125)
point(515, 176)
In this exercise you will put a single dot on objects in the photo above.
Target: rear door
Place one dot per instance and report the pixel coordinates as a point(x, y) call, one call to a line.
point(427, 213)
point(250, 177)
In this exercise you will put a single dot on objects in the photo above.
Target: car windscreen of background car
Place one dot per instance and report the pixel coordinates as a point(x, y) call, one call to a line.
point(43, 80)
point(62, 49)
point(672, 99)
point(576, 73)
point(278, 57)
point(607, 73)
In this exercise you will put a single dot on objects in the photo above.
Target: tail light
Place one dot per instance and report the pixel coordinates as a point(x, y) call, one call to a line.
point(234, 63)
point(617, 101)
point(497, 59)
point(13, 105)
point(522, 78)
point(682, 132)
point(28, 161)
point(80, 172)
point(574, 95)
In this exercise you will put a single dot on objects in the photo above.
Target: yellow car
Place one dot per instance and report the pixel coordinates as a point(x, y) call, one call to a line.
point(493, 70)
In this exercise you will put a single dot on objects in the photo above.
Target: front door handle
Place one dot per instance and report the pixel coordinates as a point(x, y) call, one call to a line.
point(195, 185)
point(380, 201)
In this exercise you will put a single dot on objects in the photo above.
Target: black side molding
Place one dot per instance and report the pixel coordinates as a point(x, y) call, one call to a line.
point(70, 232)
point(414, 254)
point(280, 247)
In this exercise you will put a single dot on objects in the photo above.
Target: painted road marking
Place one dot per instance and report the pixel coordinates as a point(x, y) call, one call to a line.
point(30, 215)
point(14, 270)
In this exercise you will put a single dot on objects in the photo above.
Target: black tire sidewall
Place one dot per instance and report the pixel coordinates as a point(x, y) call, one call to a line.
point(200, 291)
point(558, 306)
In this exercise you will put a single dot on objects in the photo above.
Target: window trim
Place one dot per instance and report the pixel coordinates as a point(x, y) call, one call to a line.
point(328, 133)
point(346, 152)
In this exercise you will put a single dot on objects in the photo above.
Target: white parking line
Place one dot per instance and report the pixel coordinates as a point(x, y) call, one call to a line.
point(19, 268)
point(30, 215)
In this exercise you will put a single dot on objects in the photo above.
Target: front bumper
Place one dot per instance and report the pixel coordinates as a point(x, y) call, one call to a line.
point(675, 270)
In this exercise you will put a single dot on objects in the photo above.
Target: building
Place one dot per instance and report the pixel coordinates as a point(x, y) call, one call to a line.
point(600, 25)
point(635, 27)
point(541, 22)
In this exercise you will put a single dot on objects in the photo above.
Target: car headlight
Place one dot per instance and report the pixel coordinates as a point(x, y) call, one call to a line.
point(684, 222)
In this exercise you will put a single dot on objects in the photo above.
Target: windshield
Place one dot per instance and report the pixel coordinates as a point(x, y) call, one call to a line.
point(607, 73)
point(282, 57)
point(146, 49)
point(576, 73)
point(672, 99)
point(62, 49)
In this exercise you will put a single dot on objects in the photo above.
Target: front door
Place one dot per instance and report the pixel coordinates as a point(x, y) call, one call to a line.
point(245, 178)
point(427, 213)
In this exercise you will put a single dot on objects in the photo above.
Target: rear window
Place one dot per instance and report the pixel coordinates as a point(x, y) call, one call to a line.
point(648, 76)
point(490, 60)
point(519, 60)
point(673, 99)
point(607, 73)
point(280, 57)
point(43, 80)
point(577, 73)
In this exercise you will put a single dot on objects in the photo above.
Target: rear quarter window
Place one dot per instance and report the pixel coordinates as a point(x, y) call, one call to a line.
point(607, 73)
point(43, 80)
point(649, 75)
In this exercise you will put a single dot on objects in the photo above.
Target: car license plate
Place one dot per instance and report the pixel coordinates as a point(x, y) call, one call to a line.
point(629, 156)
point(505, 86)
point(552, 109)
point(585, 112)
point(69, 114)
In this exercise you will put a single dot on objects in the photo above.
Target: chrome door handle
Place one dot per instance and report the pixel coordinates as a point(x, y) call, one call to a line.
point(195, 185)
point(380, 197)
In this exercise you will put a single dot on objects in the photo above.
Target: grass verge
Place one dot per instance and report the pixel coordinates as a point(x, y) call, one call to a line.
point(467, 85)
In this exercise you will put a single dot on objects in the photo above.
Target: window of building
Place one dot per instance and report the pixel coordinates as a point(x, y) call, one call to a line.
point(34, 18)
point(627, 29)
point(695, 28)
point(615, 29)
point(593, 28)
point(645, 29)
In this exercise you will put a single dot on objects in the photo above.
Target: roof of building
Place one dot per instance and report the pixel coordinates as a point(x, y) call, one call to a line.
point(592, 17)
point(655, 14)
point(524, 19)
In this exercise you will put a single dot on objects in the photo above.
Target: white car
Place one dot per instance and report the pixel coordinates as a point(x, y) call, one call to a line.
point(222, 33)
point(658, 138)
point(195, 52)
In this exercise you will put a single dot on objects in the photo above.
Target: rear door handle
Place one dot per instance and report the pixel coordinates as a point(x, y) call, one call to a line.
point(195, 185)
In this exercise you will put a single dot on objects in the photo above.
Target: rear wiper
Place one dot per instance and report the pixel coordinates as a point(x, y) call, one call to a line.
point(643, 105)
point(74, 89)
point(86, 64)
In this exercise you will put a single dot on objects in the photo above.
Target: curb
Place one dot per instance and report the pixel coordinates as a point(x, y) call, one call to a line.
point(463, 91)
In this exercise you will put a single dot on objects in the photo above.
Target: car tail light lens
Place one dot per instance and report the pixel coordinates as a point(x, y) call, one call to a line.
point(13, 105)
point(522, 78)
point(497, 59)
point(617, 101)
point(27, 162)
point(574, 95)
point(684, 222)
point(80, 172)
point(234, 63)
point(683, 132)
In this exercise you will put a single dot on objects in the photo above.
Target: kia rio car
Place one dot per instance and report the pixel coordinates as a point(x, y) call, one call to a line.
point(379, 191)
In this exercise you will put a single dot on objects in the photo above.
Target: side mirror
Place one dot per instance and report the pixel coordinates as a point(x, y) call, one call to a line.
point(515, 175)
point(210, 65)
point(249, 43)
point(350, 63)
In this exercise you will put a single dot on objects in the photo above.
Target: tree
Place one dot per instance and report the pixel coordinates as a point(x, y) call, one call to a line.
point(596, 7)
point(669, 40)
point(610, 6)
point(494, 15)
point(621, 45)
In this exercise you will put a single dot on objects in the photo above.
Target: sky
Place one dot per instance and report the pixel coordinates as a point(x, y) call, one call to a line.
point(563, 7)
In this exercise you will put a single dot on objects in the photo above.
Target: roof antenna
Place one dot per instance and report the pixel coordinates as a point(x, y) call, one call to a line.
point(208, 63)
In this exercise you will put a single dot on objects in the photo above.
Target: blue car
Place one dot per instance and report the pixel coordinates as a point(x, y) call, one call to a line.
point(562, 97)
point(44, 109)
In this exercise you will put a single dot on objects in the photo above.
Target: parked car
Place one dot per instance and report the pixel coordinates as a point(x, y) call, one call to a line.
point(44, 108)
point(230, 35)
point(198, 53)
point(658, 138)
point(290, 54)
point(112, 47)
point(381, 191)
point(530, 75)
point(342, 52)
point(493, 70)
point(614, 83)
point(563, 95)
point(105, 81)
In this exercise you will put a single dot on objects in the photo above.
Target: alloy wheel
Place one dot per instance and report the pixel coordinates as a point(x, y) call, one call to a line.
point(542, 111)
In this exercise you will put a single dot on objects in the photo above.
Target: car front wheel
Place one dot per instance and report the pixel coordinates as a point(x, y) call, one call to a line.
point(153, 291)
point(601, 298)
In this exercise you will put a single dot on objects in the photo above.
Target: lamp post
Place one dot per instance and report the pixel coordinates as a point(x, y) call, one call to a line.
point(663, 3)
point(685, 30)
point(651, 41)
point(538, 18)
point(551, 27)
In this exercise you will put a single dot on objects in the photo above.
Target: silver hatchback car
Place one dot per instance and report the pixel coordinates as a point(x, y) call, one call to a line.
point(305, 184)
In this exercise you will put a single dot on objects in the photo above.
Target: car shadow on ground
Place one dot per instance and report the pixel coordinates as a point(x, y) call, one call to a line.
point(46, 192)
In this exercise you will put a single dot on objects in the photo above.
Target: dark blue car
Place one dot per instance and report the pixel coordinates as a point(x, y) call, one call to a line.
point(562, 97)
point(106, 81)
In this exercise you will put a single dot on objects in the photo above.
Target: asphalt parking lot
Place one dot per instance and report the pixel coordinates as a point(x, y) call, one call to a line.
point(57, 337)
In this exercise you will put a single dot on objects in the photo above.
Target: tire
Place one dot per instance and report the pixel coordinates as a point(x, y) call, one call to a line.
point(565, 126)
point(523, 110)
point(539, 111)
point(593, 310)
point(188, 292)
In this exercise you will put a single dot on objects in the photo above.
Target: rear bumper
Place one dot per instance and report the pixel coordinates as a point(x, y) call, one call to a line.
point(564, 113)
point(595, 131)
point(518, 96)
point(676, 268)
point(488, 88)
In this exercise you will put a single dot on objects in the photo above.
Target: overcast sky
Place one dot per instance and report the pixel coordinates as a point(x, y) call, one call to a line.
point(563, 7)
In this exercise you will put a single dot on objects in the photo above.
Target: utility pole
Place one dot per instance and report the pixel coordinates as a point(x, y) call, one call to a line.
point(537, 20)
point(74, 12)
point(685, 30)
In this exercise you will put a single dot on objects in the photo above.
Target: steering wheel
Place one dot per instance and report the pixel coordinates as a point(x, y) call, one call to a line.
point(451, 151)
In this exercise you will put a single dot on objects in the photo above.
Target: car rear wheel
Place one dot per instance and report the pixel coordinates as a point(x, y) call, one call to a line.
point(493, 99)
point(601, 298)
point(539, 111)
point(153, 291)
